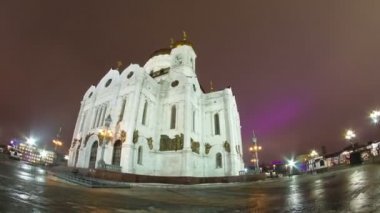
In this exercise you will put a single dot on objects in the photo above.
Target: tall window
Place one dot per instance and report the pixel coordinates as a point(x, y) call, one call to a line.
point(173, 117)
point(122, 109)
point(104, 115)
point(218, 160)
point(83, 120)
point(216, 124)
point(139, 155)
point(194, 121)
point(100, 112)
point(116, 153)
point(95, 117)
point(144, 113)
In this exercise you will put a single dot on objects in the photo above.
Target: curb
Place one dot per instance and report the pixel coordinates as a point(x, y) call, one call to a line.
point(113, 184)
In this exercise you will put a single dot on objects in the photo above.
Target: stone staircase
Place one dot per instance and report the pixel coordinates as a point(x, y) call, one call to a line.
point(90, 182)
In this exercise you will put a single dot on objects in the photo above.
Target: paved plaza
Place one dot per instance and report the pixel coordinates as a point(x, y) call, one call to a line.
point(26, 188)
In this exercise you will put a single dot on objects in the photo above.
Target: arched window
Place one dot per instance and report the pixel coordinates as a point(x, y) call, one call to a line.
point(139, 155)
point(116, 153)
point(94, 150)
point(173, 117)
point(144, 113)
point(216, 124)
point(218, 160)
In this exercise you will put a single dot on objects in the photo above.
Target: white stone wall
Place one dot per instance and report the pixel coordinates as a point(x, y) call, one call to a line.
point(161, 95)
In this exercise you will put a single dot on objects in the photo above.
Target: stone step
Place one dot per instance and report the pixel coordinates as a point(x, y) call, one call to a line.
point(89, 182)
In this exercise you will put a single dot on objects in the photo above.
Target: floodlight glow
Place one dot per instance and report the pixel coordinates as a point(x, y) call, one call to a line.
point(375, 114)
point(43, 154)
point(313, 153)
point(31, 141)
point(350, 134)
point(292, 163)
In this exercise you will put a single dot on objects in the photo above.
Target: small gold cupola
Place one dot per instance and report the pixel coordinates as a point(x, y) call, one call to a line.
point(184, 41)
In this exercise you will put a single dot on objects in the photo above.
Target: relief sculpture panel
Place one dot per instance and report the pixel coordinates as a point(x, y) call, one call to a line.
point(171, 144)
point(194, 146)
point(207, 148)
point(150, 142)
point(227, 146)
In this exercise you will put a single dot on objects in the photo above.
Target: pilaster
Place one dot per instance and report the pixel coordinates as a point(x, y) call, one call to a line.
point(231, 136)
point(127, 152)
point(187, 117)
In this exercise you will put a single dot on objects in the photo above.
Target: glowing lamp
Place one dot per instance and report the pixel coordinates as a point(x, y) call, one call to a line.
point(375, 114)
point(291, 163)
point(350, 134)
point(31, 141)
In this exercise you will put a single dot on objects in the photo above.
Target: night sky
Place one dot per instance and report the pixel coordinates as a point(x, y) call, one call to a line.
point(302, 71)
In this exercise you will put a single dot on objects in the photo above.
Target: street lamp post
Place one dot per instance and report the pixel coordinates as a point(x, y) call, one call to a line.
point(104, 136)
point(375, 117)
point(255, 148)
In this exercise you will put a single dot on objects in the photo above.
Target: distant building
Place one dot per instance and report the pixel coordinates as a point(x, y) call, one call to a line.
point(33, 154)
point(162, 123)
point(48, 157)
point(317, 163)
point(29, 153)
point(350, 155)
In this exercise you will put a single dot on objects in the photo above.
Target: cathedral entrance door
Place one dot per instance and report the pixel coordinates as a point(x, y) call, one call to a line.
point(94, 150)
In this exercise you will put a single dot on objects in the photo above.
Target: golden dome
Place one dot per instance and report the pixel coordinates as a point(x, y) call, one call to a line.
point(163, 51)
point(184, 41)
point(166, 51)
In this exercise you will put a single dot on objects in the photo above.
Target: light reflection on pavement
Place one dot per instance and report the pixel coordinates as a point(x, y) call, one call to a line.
point(25, 188)
point(359, 190)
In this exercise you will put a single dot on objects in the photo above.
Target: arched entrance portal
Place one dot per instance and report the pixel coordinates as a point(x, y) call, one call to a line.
point(94, 150)
point(116, 153)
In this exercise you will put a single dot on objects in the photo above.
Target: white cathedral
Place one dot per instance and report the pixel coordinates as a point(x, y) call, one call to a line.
point(157, 120)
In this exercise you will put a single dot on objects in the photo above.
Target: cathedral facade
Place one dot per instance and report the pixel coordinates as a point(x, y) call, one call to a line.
point(157, 120)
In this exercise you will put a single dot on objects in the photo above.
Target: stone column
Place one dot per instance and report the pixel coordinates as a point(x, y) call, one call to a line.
point(187, 115)
point(127, 152)
point(231, 134)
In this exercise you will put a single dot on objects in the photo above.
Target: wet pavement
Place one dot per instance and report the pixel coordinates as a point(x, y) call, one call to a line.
point(25, 188)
